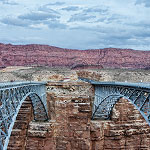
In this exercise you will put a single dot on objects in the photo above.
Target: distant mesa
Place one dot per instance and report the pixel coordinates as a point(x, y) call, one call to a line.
point(44, 55)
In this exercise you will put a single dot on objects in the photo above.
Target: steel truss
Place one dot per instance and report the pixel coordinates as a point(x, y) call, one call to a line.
point(108, 93)
point(12, 95)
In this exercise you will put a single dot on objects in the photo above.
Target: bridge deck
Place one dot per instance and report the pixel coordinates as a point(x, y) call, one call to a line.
point(19, 83)
point(116, 83)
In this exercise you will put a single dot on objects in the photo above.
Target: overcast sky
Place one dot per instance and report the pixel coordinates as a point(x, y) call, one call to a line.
point(76, 24)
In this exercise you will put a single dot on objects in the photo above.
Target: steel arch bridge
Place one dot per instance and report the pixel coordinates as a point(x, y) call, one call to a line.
point(12, 95)
point(108, 93)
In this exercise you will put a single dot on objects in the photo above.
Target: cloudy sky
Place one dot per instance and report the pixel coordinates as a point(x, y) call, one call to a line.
point(76, 24)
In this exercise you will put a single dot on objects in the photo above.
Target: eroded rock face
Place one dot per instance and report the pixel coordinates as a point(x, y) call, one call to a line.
point(127, 129)
point(19, 135)
point(93, 75)
point(44, 55)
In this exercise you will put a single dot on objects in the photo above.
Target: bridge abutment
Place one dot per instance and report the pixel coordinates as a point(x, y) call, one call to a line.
point(70, 106)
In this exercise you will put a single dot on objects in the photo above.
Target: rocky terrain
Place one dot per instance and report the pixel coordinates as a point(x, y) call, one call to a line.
point(44, 55)
point(66, 74)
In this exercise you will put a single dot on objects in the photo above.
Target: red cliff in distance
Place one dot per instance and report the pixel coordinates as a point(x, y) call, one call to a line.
point(44, 55)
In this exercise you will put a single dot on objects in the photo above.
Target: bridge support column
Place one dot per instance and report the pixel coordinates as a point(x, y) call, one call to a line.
point(70, 107)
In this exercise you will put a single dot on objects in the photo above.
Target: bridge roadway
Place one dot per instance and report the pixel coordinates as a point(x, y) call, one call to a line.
point(12, 95)
point(108, 93)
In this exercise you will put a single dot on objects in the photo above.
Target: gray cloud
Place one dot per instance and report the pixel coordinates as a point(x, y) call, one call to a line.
point(7, 2)
point(116, 41)
point(141, 33)
point(38, 16)
point(71, 8)
point(81, 17)
point(145, 2)
point(145, 24)
point(55, 25)
point(34, 20)
point(87, 14)
point(46, 8)
point(115, 18)
point(123, 36)
point(15, 22)
point(96, 10)
point(57, 3)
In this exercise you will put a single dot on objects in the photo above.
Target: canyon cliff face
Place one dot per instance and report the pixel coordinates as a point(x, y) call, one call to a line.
point(44, 55)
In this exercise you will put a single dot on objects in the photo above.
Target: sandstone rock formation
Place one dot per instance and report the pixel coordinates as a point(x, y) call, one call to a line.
point(44, 55)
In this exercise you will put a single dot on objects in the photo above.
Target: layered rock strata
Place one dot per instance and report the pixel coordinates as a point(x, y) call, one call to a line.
point(44, 55)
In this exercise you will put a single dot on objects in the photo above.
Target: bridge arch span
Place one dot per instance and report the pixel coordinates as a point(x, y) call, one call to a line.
point(106, 97)
point(108, 93)
point(12, 96)
point(40, 112)
point(108, 104)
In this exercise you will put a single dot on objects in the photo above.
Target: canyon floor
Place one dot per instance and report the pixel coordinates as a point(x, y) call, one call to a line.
point(16, 73)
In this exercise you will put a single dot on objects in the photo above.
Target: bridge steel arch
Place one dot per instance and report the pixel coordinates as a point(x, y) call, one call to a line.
point(108, 93)
point(12, 95)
